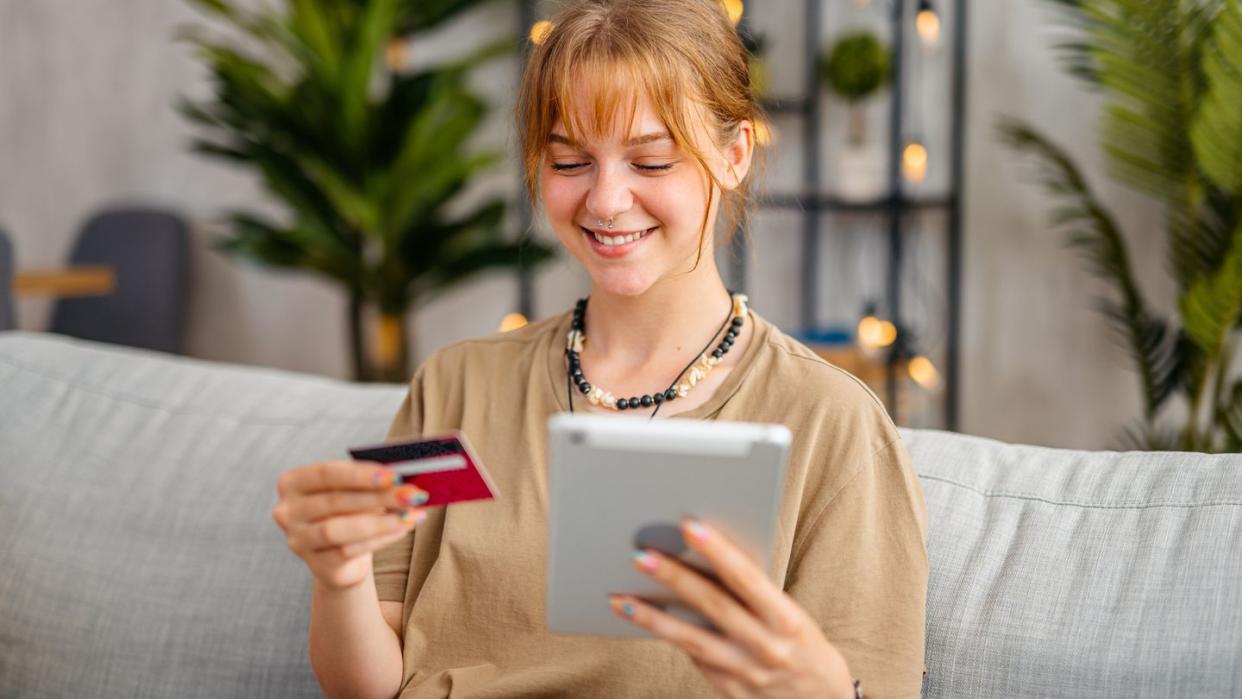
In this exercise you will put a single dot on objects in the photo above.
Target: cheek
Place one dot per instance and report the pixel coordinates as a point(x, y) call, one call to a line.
point(678, 201)
point(561, 199)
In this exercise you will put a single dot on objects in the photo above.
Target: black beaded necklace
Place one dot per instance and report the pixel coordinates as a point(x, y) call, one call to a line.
point(577, 335)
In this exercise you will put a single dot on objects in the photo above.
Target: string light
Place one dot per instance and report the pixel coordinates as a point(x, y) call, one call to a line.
point(914, 162)
point(513, 321)
point(874, 333)
point(540, 30)
point(924, 372)
point(927, 22)
point(734, 9)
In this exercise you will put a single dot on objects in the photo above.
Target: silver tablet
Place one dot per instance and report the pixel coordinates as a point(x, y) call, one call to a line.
point(622, 483)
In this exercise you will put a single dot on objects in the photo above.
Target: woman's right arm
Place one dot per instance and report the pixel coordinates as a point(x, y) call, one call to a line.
point(353, 649)
point(335, 514)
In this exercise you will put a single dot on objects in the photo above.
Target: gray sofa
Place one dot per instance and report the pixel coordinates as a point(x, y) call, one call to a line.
point(138, 557)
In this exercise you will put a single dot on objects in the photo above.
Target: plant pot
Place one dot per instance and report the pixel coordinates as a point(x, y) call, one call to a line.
point(861, 173)
point(380, 344)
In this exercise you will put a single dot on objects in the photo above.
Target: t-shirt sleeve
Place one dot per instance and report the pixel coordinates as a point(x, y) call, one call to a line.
point(861, 572)
point(391, 564)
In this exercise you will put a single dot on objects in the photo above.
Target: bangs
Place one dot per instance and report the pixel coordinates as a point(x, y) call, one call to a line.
point(611, 100)
point(593, 91)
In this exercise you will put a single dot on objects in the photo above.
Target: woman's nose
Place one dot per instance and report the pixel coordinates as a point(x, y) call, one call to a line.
point(610, 195)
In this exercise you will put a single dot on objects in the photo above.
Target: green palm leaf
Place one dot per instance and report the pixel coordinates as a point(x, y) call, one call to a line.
point(1212, 306)
point(1217, 132)
point(1092, 230)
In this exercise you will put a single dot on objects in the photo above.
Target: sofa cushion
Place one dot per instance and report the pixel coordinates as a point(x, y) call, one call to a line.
point(138, 551)
point(1068, 573)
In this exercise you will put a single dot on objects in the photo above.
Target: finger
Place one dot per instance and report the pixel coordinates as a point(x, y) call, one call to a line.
point(368, 545)
point(311, 508)
point(710, 600)
point(701, 645)
point(342, 530)
point(743, 577)
point(335, 475)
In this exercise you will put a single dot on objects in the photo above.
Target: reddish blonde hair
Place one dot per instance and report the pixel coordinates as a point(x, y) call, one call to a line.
point(672, 51)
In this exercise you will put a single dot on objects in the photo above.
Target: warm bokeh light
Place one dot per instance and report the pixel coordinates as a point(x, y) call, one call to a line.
point(927, 22)
point(914, 162)
point(764, 134)
point(513, 321)
point(924, 372)
point(540, 30)
point(734, 9)
point(397, 54)
point(874, 333)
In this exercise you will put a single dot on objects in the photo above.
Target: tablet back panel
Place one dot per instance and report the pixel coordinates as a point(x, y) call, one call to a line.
point(620, 483)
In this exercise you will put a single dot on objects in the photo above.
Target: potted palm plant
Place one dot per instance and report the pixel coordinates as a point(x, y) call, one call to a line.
point(365, 160)
point(1171, 74)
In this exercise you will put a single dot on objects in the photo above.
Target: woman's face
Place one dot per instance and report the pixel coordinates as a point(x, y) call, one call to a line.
point(653, 192)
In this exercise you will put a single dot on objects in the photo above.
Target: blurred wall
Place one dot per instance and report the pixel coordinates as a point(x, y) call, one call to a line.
point(86, 90)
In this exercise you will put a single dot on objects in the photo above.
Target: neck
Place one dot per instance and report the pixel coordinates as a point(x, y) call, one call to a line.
point(674, 318)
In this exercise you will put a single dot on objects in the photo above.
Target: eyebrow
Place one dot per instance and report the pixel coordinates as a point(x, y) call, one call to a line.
point(636, 141)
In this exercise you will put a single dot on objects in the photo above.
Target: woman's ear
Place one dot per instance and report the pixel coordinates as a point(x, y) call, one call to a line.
point(737, 155)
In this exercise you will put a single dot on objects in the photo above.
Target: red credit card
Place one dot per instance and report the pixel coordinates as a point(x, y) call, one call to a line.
point(444, 466)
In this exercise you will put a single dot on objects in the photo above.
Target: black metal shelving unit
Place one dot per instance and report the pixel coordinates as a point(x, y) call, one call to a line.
point(813, 202)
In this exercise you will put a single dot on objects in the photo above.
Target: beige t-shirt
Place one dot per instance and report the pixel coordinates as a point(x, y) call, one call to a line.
point(851, 543)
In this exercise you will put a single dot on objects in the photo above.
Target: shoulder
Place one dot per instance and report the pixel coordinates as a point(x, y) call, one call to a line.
point(824, 389)
point(510, 353)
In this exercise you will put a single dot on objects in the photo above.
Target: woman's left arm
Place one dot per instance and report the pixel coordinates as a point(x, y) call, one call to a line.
point(854, 603)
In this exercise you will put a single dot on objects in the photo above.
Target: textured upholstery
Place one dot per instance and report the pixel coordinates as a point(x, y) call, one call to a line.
point(1061, 573)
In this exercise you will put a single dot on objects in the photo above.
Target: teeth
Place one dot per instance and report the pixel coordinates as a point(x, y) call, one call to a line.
point(619, 240)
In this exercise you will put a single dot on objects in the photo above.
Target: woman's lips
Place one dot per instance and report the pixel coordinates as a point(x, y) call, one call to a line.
point(616, 250)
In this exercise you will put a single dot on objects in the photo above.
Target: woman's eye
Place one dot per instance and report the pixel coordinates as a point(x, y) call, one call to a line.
point(570, 167)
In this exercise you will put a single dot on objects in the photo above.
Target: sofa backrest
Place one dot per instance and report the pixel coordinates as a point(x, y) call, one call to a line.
point(1080, 574)
point(138, 557)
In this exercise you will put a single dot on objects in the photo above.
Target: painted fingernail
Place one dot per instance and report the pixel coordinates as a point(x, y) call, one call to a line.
point(412, 496)
point(647, 562)
point(382, 478)
point(413, 516)
point(697, 530)
point(622, 607)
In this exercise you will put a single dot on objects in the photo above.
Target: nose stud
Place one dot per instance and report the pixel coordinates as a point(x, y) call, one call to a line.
point(604, 224)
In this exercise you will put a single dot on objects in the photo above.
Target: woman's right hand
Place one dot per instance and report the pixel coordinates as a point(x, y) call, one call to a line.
point(335, 513)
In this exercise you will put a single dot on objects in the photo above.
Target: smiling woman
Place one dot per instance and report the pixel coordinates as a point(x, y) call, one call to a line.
point(637, 123)
point(681, 94)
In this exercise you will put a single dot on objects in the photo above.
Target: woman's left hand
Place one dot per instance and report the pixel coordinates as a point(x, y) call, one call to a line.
point(767, 645)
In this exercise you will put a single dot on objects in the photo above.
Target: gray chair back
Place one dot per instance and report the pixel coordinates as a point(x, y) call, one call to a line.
point(8, 316)
point(148, 250)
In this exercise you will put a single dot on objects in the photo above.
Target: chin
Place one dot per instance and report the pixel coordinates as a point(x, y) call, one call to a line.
point(622, 282)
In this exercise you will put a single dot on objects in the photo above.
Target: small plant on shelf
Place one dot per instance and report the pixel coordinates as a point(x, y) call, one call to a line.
point(856, 68)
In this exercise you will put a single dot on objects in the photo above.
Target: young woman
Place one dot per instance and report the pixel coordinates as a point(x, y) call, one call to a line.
point(637, 122)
